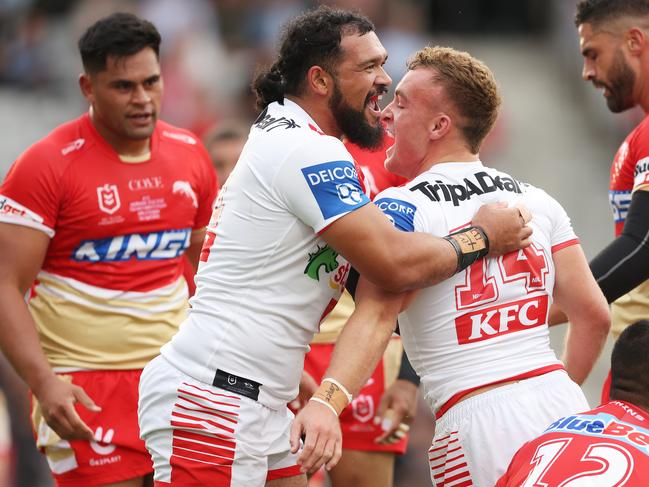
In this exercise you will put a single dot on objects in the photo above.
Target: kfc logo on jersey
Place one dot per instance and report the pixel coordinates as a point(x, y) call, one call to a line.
point(399, 212)
point(108, 197)
point(502, 319)
point(185, 189)
point(335, 186)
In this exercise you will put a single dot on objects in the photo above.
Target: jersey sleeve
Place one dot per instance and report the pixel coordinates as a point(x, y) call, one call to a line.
point(319, 183)
point(638, 151)
point(207, 188)
point(562, 234)
point(30, 193)
point(398, 208)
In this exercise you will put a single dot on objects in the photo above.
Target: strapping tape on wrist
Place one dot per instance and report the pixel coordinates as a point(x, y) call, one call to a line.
point(470, 245)
point(332, 394)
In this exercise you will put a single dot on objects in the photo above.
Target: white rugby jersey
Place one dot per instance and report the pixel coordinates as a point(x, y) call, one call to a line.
point(486, 324)
point(266, 278)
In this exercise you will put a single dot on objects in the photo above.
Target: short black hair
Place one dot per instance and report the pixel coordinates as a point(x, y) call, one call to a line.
point(311, 39)
point(120, 35)
point(596, 11)
point(630, 363)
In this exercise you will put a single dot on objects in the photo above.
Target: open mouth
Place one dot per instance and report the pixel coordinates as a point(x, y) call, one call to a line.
point(144, 118)
point(372, 102)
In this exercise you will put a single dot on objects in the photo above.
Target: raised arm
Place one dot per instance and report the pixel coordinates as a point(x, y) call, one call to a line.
point(579, 296)
point(23, 251)
point(399, 261)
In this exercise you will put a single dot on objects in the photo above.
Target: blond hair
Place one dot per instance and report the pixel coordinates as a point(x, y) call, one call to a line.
point(470, 86)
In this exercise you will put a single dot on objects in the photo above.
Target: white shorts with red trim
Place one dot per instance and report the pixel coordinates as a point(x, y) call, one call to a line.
point(475, 440)
point(198, 434)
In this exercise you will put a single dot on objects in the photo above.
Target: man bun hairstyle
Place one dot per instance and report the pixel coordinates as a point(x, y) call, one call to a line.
point(311, 39)
point(596, 11)
point(119, 35)
point(470, 86)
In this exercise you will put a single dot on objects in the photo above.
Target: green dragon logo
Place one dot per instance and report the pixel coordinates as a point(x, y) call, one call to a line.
point(323, 257)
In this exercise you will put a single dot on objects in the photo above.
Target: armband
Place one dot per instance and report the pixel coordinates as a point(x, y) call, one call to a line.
point(332, 394)
point(470, 245)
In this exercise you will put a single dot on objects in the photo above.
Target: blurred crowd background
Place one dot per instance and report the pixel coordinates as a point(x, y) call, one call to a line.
point(554, 130)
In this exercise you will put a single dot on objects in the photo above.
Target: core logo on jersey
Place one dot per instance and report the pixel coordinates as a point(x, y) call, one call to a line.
point(13, 208)
point(399, 212)
point(502, 319)
point(620, 202)
point(335, 187)
point(480, 183)
point(108, 197)
point(184, 188)
point(146, 246)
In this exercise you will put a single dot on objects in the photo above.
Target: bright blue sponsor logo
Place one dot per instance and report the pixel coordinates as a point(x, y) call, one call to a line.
point(140, 246)
point(399, 212)
point(620, 202)
point(335, 187)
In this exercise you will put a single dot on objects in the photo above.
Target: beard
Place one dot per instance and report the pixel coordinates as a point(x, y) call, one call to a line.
point(620, 86)
point(353, 122)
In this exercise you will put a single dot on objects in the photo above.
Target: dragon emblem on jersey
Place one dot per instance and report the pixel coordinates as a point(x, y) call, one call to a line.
point(108, 197)
point(323, 257)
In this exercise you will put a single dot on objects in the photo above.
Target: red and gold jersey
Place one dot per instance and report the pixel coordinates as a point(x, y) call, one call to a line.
point(605, 446)
point(110, 292)
point(629, 173)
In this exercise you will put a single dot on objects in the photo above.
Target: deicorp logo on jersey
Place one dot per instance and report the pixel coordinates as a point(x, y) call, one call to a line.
point(335, 187)
point(399, 212)
point(146, 246)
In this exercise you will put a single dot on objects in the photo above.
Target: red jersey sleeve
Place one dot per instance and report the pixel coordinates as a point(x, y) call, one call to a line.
point(30, 194)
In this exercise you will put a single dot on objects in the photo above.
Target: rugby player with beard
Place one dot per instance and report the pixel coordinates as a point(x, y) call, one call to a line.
point(614, 43)
point(288, 224)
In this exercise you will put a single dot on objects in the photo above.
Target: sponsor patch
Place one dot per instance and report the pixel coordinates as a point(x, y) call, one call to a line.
point(620, 202)
point(13, 208)
point(399, 212)
point(141, 246)
point(336, 187)
point(501, 319)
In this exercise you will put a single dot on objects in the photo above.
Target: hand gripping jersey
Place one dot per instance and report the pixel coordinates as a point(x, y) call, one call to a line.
point(607, 446)
point(110, 291)
point(629, 173)
point(266, 278)
point(486, 324)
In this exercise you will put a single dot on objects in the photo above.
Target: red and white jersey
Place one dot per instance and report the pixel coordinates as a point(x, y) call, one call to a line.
point(110, 292)
point(266, 277)
point(486, 324)
point(608, 446)
point(629, 173)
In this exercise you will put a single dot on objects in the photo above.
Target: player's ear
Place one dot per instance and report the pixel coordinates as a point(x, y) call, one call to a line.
point(85, 85)
point(440, 125)
point(319, 81)
point(636, 41)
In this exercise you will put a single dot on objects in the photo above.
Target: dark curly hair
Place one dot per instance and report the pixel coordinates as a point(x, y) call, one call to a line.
point(595, 11)
point(120, 35)
point(630, 364)
point(311, 39)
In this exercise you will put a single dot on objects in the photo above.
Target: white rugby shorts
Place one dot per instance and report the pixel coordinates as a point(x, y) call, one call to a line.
point(476, 439)
point(199, 435)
